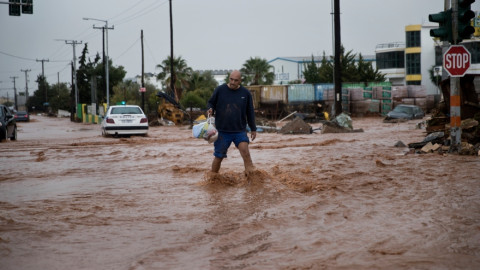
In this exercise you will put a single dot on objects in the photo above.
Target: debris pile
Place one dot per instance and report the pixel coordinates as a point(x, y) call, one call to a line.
point(296, 126)
point(341, 124)
point(438, 138)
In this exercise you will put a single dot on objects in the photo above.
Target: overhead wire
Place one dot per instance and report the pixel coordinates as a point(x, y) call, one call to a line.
point(141, 13)
point(85, 36)
point(136, 41)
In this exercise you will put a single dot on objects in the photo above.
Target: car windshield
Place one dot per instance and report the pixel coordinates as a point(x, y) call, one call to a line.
point(403, 109)
point(126, 110)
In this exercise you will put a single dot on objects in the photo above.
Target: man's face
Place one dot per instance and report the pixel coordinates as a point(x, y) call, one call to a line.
point(234, 81)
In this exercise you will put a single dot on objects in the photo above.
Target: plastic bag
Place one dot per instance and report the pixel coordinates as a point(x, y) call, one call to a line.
point(199, 130)
point(211, 134)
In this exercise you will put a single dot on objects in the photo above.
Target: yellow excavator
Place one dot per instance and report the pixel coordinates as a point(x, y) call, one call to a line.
point(170, 109)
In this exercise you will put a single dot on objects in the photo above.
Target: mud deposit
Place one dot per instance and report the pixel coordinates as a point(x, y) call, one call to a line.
point(71, 199)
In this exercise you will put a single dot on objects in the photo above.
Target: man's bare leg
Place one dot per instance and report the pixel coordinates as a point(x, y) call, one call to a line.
point(247, 159)
point(217, 162)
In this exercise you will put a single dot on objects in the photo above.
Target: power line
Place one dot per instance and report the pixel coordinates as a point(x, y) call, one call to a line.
point(135, 42)
point(19, 57)
point(140, 13)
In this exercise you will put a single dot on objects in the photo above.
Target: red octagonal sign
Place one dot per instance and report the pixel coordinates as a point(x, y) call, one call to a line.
point(456, 60)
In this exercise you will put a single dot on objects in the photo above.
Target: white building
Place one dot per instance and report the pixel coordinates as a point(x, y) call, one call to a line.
point(287, 69)
point(410, 62)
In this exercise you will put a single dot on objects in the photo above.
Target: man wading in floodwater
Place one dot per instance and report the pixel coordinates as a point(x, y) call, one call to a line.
point(233, 108)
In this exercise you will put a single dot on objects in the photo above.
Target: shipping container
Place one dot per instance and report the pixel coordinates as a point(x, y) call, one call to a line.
point(320, 90)
point(301, 93)
point(255, 90)
point(274, 94)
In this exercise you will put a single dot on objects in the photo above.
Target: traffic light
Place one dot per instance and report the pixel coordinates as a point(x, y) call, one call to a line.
point(465, 15)
point(444, 20)
point(14, 8)
point(27, 7)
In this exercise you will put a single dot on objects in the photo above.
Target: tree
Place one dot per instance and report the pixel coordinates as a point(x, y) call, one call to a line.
point(325, 70)
point(202, 80)
point(367, 73)
point(352, 70)
point(312, 72)
point(256, 71)
point(59, 97)
point(85, 71)
point(182, 73)
point(192, 100)
point(95, 70)
point(40, 96)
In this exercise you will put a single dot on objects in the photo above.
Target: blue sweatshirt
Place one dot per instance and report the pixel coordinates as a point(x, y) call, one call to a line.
point(233, 109)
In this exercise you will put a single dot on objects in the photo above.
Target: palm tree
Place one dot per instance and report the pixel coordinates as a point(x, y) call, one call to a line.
point(182, 73)
point(256, 71)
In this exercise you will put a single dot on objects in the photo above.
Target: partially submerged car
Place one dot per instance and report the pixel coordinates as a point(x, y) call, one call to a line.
point(404, 111)
point(124, 120)
point(8, 125)
point(22, 116)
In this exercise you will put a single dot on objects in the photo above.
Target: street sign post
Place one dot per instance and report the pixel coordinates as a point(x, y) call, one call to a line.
point(456, 60)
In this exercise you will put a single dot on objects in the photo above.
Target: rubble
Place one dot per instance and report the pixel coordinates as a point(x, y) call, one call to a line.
point(438, 138)
point(341, 124)
point(296, 126)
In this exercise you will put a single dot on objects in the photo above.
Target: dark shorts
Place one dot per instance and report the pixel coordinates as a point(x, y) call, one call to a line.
point(224, 141)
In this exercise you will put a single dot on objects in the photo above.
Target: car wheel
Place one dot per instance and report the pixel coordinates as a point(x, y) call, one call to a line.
point(4, 136)
point(14, 134)
point(104, 134)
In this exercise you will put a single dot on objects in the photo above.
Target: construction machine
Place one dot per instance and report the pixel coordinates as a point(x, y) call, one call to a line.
point(170, 109)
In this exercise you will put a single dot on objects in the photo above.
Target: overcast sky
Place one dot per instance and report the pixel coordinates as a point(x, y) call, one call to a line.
point(208, 34)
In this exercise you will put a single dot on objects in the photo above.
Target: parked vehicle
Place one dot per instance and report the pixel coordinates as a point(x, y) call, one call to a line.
point(22, 116)
point(8, 125)
point(404, 111)
point(124, 120)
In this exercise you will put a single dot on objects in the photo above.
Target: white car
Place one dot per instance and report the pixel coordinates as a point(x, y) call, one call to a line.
point(124, 120)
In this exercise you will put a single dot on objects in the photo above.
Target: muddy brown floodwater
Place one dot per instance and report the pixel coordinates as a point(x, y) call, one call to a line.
point(71, 199)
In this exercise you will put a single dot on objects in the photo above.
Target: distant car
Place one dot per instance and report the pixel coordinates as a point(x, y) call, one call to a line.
point(22, 116)
point(124, 120)
point(8, 125)
point(404, 111)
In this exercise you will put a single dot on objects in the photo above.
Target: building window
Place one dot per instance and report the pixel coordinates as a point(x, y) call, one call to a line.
point(413, 39)
point(414, 82)
point(390, 60)
point(413, 63)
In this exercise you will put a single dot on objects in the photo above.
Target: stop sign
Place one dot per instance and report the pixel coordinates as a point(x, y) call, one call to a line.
point(456, 60)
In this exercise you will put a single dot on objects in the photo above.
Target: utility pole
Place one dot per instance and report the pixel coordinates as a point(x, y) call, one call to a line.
point(338, 68)
point(143, 75)
point(107, 60)
point(43, 78)
point(172, 72)
point(26, 84)
point(43, 61)
point(104, 58)
point(15, 92)
point(74, 43)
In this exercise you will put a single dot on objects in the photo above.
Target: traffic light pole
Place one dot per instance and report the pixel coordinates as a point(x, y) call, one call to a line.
point(455, 117)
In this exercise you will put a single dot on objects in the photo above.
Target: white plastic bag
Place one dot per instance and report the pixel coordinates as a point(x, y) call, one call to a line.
point(199, 130)
point(211, 134)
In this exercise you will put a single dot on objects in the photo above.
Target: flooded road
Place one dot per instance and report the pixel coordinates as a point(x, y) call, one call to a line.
point(71, 199)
